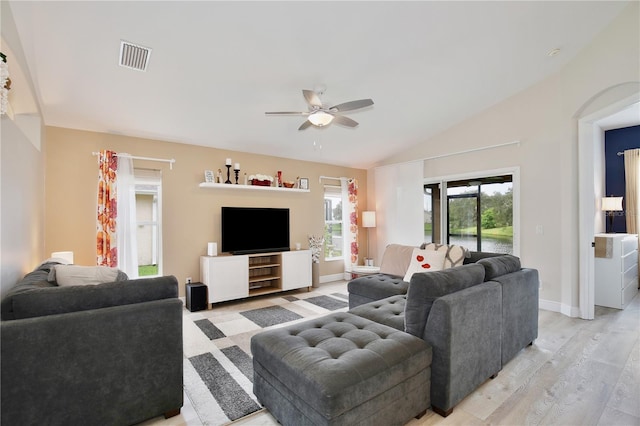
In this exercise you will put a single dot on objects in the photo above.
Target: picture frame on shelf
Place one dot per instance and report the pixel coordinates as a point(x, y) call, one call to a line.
point(208, 176)
point(304, 183)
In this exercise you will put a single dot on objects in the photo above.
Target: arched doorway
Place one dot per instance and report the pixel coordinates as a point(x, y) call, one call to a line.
point(591, 128)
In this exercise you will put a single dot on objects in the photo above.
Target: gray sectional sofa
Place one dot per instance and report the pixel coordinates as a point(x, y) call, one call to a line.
point(90, 354)
point(462, 323)
point(476, 317)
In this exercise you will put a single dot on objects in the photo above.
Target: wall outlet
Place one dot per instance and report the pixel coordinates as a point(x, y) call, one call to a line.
point(188, 280)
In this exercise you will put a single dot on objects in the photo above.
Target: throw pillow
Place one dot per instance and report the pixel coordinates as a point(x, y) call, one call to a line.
point(395, 260)
point(454, 254)
point(424, 261)
point(68, 275)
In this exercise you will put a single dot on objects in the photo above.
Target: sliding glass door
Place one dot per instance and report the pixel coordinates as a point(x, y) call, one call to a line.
point(478, 213)
point(463, 227)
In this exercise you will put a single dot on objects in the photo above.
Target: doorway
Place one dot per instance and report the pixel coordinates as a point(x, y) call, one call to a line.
point(591, 188)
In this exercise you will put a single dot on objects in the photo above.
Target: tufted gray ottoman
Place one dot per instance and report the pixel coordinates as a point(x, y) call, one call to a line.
point(341, 369)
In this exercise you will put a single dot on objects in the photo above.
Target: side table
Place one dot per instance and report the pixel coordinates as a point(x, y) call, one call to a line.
point(359, 271)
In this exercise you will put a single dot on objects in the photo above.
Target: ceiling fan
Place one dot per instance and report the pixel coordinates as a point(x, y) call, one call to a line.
point(320, 115)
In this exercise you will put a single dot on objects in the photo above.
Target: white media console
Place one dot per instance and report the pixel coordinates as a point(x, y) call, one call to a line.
point(230, 277)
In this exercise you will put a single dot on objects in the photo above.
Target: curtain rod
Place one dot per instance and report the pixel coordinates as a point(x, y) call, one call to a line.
point(466, 151)
point(135, 157)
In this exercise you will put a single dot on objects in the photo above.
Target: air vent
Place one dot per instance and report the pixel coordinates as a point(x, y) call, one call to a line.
point(134, 56)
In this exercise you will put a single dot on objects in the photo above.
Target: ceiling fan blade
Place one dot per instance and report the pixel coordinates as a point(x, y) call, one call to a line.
point(345, 121)
point(304, 125)
point(349, 106)
point(286, 113)
point(312, 98)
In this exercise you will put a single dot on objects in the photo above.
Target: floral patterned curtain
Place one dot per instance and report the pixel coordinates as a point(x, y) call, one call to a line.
point(107, 209)
point(350, 221)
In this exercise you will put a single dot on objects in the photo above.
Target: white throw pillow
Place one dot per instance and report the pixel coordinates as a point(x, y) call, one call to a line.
point(67, 275)
point(424, 261)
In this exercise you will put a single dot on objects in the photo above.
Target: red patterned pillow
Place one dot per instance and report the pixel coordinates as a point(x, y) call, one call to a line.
point(424, 261)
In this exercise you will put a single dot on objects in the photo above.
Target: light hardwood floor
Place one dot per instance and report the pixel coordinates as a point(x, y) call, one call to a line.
point(576, 373)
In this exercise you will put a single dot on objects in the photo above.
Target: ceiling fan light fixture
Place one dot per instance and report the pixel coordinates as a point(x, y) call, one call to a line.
point(320, 118)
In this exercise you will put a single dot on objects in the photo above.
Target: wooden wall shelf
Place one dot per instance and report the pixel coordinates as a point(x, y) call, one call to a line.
point(249, 187)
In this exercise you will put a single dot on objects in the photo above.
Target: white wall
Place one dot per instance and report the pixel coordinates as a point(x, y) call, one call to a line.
point(544, 119)
point(21, 205)
point(400, 220)
point(21, 170)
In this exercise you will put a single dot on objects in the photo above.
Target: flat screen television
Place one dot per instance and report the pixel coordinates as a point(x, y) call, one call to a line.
point(248, 230)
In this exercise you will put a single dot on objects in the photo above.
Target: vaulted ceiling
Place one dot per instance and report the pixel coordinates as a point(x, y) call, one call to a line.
point(216, 67)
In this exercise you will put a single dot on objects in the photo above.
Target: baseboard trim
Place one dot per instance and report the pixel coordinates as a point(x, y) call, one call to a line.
point(332, 278)
point(549, 305)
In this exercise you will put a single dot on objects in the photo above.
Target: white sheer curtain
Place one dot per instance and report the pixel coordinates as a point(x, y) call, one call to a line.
point(126, 227)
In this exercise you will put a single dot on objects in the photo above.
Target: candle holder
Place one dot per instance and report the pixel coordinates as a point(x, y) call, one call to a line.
point(236, 171)
point(228, 173)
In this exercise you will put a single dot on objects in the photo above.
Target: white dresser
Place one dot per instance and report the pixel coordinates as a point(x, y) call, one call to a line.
point(616, 269)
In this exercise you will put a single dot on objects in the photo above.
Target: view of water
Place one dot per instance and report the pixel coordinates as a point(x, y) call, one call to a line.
point(493, 245)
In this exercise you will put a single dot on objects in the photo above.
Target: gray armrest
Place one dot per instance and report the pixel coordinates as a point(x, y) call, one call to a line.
point(464, 330)
point(116, 365)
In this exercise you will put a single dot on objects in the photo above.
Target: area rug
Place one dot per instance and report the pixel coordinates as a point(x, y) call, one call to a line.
point(218, 368)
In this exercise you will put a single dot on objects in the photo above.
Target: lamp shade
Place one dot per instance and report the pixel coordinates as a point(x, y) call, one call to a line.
point(611, 204)
point(320, 118)
point(369, 219)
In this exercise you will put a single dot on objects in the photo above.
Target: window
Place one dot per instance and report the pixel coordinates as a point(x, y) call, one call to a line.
point(479, 213)
point(148, 221)
point(333, 236)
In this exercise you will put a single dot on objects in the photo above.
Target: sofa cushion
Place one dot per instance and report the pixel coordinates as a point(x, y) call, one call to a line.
point(377, 286)
point(388, 311)
point(65, 275)
point(424, 261)
point(424, 289)
point(57, 300)
point(474, 256)
point(395, 260)
point(499, 265)
point(454, 254)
